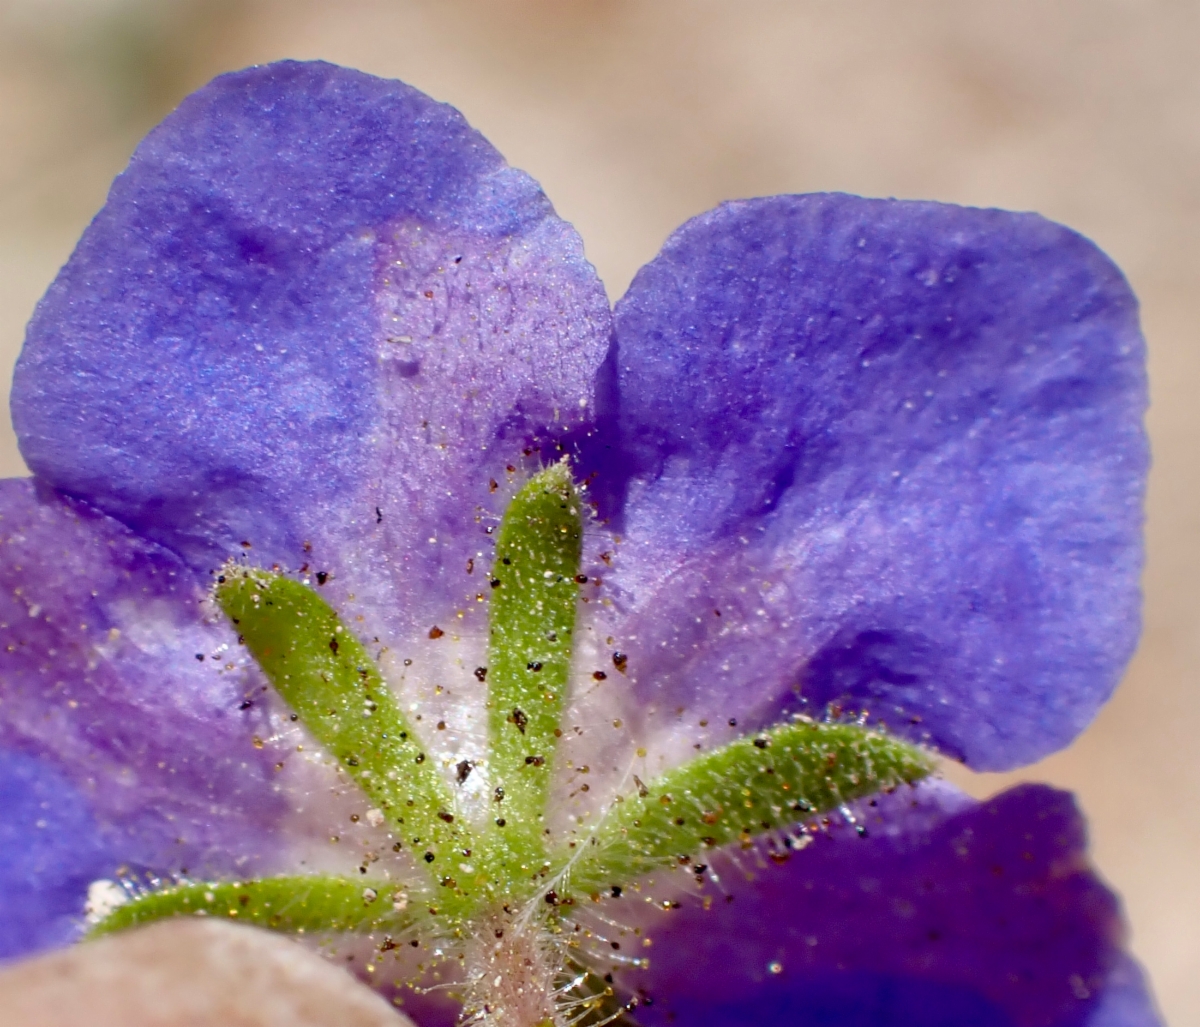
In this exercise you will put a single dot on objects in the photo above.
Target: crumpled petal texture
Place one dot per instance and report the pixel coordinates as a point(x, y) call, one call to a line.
point(948, 912)
point(316, 315)
point(882, 454)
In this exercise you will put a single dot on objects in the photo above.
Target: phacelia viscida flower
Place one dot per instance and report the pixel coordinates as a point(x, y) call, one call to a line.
point(376, 582)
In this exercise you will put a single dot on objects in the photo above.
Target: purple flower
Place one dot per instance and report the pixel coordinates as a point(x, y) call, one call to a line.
point(878, 458)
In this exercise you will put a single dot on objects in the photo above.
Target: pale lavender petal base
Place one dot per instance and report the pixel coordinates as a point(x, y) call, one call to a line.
point(317, 317)
point(115, 680)
point(886, 455)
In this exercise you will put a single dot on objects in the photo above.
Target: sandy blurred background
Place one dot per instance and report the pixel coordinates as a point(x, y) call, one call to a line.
point(636, 115)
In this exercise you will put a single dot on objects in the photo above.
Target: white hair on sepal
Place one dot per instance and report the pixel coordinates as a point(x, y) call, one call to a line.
point(103, 898)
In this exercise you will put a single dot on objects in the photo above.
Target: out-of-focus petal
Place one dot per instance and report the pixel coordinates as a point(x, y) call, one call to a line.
point(316, 316)
point(52, 851)
point(1125, 1000)
point(118, 695)
point(948, 912)
point(883, 454)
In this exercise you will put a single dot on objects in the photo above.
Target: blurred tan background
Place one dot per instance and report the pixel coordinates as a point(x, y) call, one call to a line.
point(636, 114)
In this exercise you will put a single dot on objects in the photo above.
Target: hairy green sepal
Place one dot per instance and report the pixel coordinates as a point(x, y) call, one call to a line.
point(328, 678)
point(532, 625)
point(753, 785)
point(292, 904)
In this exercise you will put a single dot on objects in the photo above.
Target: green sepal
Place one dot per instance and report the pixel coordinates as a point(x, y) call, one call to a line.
point(754, 785)
point(328, 678)
point(532, 625)
point(289, 904)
